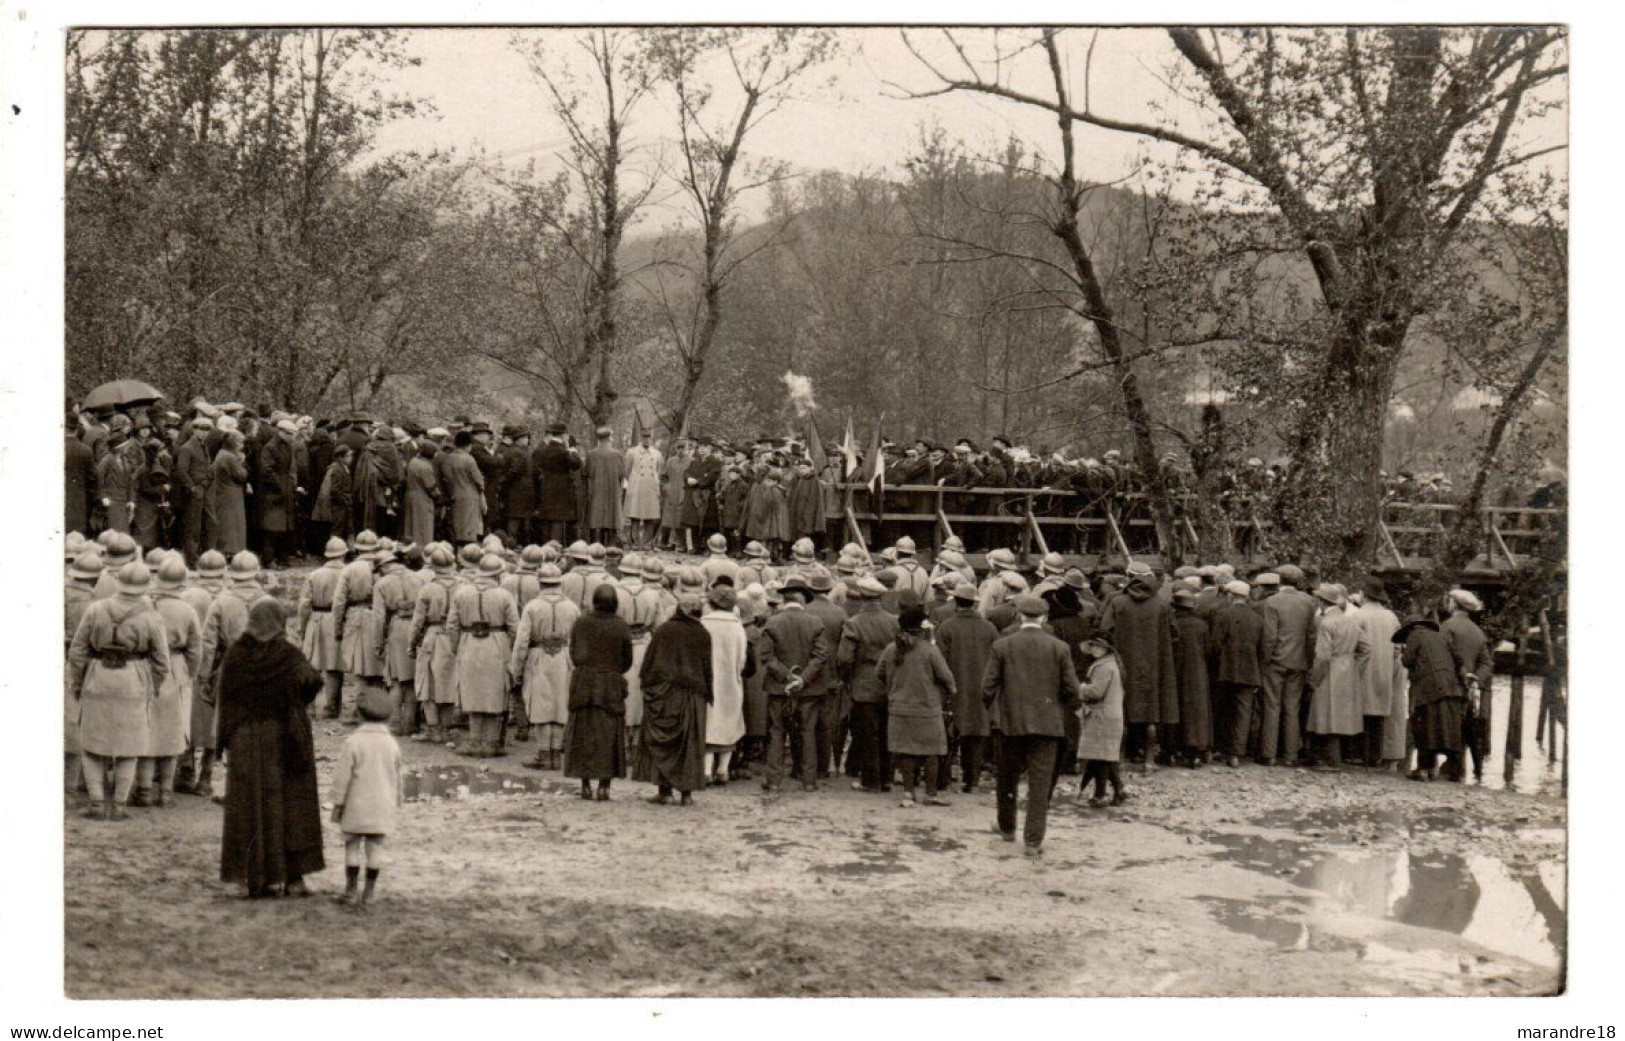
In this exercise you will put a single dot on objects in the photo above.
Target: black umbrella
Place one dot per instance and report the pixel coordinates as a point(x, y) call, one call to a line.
point(122, 394)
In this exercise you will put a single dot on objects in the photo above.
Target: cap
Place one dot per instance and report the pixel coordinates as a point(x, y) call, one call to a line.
point(1329, 593)
point(819, 580)
point(1266, 578)
point(965, 591)
point(1467, 600)
point(868, 587)
point(1290, 573)
point(1031, 606)
point(1236, 587)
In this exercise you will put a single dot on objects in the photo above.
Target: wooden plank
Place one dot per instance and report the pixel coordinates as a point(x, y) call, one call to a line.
point(1388, 541)
point(1122, 544)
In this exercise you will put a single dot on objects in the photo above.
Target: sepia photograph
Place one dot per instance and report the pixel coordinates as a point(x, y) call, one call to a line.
point(812, 510)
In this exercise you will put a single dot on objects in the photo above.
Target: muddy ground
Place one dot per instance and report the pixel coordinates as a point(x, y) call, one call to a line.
point(1255, 881)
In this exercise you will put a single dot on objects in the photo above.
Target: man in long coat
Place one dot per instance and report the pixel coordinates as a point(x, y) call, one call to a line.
point(1140, 626)
point(603, 470)
point(1382, 680)
point(194, 480)
point(556, 465)
point(644, 466)
point(1340, 651)
point(864, 637)
point(1471, 650)
point(422, 495)
point(517, 491)
point(676, 681)
point(699, 511)
point(673, 487)
point(1239, 651)
point(79, 466)
point(276, 485)
point(481, 625)
point(378, 470)
point(966, 641)
point(467, 486)
point(1030, 682)
point(1289, 635)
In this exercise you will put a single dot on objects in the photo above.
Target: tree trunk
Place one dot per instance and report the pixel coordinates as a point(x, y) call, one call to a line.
point(1467, 530)
point(1331, 506)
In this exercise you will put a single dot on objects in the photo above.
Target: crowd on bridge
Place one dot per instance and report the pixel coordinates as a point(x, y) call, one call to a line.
point(227, 478)
point(605, 662)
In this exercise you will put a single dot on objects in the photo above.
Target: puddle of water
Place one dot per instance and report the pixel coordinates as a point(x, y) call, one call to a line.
point(1534, 771)
point(459, 782)
point(1477, 897)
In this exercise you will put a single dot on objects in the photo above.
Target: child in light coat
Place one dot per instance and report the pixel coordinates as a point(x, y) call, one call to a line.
point(366, 793)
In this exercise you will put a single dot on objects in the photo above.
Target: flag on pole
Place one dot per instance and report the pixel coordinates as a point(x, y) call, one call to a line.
point(637, 424)
point(815, 448)
point(874, 464)
point(849, 451)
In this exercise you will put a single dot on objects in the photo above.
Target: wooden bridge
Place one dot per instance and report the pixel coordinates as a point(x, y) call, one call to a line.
point(1110, 531)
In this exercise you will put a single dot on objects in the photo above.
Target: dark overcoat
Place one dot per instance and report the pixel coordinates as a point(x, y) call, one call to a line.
point(676, 683)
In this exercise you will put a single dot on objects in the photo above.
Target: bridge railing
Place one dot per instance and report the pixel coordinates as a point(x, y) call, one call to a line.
point(1121, 524)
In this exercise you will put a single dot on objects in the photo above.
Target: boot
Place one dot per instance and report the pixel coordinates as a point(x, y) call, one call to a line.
point(523, 733)
point(98, 811)
point(184, 771)
point(205, 776)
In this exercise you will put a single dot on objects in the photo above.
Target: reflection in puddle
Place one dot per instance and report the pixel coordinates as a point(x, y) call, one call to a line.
point(459, 782)
point(870, 862)
point(930, 840)
point(1475, 897)
point(768, 844)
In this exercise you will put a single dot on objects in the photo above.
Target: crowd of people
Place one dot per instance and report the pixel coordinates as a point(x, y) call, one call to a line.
point(224, 478)
point(605, 662)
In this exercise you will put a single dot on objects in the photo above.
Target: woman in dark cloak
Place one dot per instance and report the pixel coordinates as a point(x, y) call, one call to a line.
point(272, 837)
point(595, 737)
point(676, 680)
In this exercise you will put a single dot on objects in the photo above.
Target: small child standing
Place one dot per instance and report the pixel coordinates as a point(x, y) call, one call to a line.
point(366, 793)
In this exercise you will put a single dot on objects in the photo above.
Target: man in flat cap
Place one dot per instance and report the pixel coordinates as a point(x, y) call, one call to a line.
point(1029, 685)
point(1470, 649)
point(1290, 618)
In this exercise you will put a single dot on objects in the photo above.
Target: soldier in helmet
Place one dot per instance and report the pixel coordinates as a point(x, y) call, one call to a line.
point(76, 598)
point(394, 600)
point(482, 624)
point(911, 577)
point(430, 645)
point(118, 658)
point(353, 624)
point(171, 710)
point(539, 665)
point(318, 639)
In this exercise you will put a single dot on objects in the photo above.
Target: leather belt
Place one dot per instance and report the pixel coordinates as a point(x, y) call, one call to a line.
point(479, 630)
point(112, 659)
point(321, 610)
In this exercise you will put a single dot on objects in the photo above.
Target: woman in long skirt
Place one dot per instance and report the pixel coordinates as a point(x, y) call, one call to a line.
point(272, 837)
point(1438, 700)
point(600, 654)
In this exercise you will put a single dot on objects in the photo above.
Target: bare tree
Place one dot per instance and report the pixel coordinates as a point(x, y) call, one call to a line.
point(760, 67)
point(595, 118)
point(1372, 150)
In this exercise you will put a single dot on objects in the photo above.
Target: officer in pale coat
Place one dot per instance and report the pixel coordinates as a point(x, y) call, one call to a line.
point(77, 596)
point(430, 641)
point(481, 625)
point(394, 598)
point(1340, 651)
point(360, 653)
point(1382, 678)
point(465, 485)
point(171, 712)
point(644, 464)
point(318, 639)
point(118, 658)
point(540, 664)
